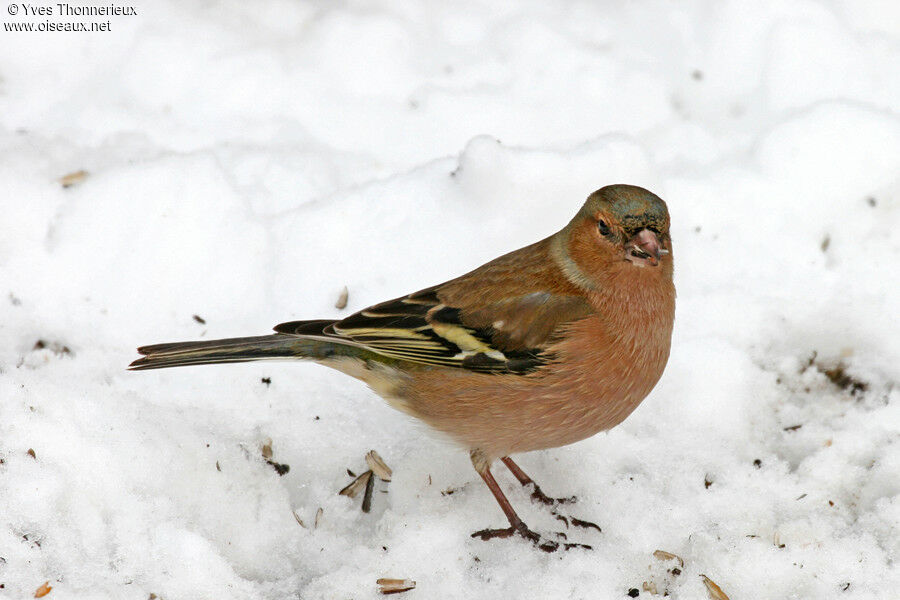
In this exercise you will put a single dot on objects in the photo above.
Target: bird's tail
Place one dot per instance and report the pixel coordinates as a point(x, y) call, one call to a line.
point(230, 350)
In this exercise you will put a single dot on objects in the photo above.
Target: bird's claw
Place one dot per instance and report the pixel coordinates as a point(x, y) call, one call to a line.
point(537, 495)
point(572, 545)
point(585, 524)
point(533, 537)
point(576, 522)
point(522, 530)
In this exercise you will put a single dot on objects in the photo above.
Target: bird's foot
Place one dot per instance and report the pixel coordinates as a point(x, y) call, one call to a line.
point(576, 522)
point(533, 537)
point(522, 530)
point(537, 495)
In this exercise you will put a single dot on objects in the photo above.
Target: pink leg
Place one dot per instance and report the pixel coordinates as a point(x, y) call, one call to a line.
point(516, 525)
point(541, 497)
point(536, 493)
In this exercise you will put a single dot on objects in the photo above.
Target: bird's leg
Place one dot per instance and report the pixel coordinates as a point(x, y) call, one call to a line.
point(540, 496)
point(517, 525)
point(536, 493)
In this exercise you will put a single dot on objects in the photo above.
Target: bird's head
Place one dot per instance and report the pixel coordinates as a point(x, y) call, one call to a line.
point(620, 229)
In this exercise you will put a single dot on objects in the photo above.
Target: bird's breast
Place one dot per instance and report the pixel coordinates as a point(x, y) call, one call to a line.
point(606, 370)
point(604, 366)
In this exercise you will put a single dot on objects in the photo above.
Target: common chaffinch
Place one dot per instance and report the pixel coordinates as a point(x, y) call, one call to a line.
point(539, 348)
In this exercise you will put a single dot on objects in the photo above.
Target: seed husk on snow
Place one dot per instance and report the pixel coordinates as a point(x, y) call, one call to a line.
point(319, 514)
point(43, 590)
point(367, 496)
point(378, 466)
point(663, 555)
point(715, 592)
point(342, 298)
point(659, 583)
point(366, 481)
point(73, 178)
point(267, 454)
point(267, 448)
point(357, 485)
point(298, 519)
point(395, 586)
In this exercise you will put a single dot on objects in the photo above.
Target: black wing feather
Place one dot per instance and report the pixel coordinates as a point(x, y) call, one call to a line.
point(420, 329)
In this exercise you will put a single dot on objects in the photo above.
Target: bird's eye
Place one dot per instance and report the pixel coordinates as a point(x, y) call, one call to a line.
point(603, 227)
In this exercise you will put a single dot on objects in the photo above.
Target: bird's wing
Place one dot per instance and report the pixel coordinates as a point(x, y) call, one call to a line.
point(506, 336)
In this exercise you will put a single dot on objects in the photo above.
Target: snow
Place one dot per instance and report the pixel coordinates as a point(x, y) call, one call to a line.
point(246, 161)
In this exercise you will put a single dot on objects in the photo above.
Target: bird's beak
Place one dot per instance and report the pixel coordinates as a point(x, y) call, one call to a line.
point(644, 249)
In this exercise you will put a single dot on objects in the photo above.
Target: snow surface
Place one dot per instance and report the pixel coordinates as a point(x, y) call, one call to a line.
point(247, 160)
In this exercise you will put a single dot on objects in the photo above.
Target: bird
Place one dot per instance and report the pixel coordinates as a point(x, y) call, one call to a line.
point(539, 348)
